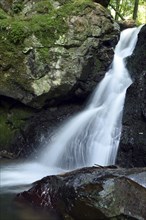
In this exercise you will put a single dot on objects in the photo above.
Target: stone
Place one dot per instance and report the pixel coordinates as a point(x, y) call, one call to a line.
point(52, 52)
point(132, 148)
point(127, 24)
point(91, 193)
point(104, 3)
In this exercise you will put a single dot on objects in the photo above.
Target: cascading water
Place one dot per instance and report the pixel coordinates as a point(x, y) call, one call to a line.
point(92, 136)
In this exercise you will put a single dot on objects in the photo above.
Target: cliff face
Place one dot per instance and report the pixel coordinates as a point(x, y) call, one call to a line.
point(132, 149)
point(50, 52)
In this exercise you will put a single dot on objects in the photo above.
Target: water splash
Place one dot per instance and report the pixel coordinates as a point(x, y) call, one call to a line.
point(92, 136)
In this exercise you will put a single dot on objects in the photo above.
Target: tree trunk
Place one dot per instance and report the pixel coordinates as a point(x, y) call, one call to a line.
point(117, 9)
point(135, 9)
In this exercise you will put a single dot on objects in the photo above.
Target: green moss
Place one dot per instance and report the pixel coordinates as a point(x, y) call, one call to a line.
point(6, 134)
point(10, 123)
point(3, 14)
point(48, 27)
point(43, 7)
point(97, 65)
point(13, 30)
point(75, 7)
point(16, 31)
point(17, 8)
point(44, 54)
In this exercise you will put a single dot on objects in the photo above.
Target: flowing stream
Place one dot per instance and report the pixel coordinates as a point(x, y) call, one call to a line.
point(92, 136)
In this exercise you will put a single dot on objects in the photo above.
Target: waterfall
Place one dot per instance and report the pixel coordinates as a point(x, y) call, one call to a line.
point(92, 136)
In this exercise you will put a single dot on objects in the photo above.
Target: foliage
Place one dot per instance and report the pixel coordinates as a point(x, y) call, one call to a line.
point(126, 9)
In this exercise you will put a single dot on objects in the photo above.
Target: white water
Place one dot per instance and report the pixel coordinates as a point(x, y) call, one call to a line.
point(92, 136)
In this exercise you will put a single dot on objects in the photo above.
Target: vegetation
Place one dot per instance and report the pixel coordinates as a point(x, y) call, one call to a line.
point(17, 28)
point(128, 9)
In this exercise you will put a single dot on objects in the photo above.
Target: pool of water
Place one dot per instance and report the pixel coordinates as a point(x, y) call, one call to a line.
point(12, 210)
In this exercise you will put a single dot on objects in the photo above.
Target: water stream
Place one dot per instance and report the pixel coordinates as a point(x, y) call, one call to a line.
point(92, 136)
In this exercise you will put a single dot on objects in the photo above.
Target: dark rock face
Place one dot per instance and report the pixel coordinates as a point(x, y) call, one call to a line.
point(102, 2)
point(92, 193)
point(132, 149)
point(40, 129)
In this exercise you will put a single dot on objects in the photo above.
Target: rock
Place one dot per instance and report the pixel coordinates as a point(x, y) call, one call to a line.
point(8, 155)
point(40, 129)
point(92, 193)
point(13, 118)
point(132, 149)
point(51, 52)
point(103, 2)
point(127, 24)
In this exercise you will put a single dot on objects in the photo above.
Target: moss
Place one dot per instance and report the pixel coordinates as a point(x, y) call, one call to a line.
point(18, 32)
point(11, 120)
point(6, 135)
point(43, 7)
point(97, 65)
point(3, 14)
point(47, 28)
point(75, 7)
point(13, 30)
point(17, 8)
point(44, 54)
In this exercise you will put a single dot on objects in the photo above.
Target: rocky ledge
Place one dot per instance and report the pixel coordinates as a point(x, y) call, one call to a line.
point(91, 193)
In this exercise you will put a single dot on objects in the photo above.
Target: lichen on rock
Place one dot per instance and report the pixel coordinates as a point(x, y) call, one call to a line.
point(48, 46)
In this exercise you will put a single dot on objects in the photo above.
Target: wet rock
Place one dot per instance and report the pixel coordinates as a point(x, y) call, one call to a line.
point(132, 149)
point(92, 193)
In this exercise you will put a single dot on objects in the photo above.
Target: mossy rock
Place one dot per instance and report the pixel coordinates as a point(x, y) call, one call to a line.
point(45, 48)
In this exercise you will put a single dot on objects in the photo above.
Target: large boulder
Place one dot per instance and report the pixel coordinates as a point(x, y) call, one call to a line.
point(92, 193)
point(51, 51)
point(132, 149)
point(16, 6)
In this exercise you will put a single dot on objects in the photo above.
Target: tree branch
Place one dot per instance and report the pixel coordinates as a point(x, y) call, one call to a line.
point(118, 13)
